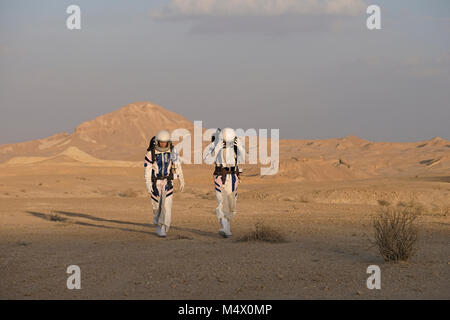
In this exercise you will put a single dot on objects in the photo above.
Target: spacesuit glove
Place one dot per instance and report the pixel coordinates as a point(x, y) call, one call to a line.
point(219, 145)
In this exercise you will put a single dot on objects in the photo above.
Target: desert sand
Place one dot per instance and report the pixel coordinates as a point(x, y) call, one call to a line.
point(80, 199)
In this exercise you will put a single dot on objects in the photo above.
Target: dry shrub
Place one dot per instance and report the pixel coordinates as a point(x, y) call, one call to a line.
point(129, 193)
point(183, 237)
point(384, 203)
point(445, 211)
point(411, 205)
point(442, 211)
point(263, 233)
point(396, 233)
point(304, 199)
point(208, 196)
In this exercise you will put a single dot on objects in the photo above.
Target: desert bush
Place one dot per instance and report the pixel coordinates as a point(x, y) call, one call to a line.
point(440, 210)
point(304, 199)
point(445, 211)
point(208, 196)
point(183, 237)
point(129, 193)
point(263, 233)
point(411, 205)
point(396, 233)
point(383, 202)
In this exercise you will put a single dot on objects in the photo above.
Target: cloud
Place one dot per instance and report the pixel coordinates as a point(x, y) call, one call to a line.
point(262, 8)
point(270, 26)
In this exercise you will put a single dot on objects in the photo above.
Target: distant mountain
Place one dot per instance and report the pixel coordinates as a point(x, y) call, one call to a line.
point(123, 134)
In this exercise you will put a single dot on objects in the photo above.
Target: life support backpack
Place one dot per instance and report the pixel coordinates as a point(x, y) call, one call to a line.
point(223, 171)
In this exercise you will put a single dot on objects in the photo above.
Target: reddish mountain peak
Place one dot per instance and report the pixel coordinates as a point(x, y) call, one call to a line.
point(115, 135)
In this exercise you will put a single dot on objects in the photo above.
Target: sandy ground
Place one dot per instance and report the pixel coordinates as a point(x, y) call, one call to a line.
point(100, 219)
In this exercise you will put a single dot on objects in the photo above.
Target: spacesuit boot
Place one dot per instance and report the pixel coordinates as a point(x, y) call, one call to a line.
point(225, 230)
point(161, 231)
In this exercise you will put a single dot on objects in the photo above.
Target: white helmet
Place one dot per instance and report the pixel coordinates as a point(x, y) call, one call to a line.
point(228, 135)
point(162, 136)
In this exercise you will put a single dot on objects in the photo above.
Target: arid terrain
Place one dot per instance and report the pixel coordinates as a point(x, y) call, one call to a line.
point(71, 199)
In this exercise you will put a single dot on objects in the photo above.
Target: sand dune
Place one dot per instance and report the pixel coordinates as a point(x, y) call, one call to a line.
point(70, 156)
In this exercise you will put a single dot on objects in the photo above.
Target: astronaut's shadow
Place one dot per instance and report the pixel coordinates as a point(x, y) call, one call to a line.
point(55, 217)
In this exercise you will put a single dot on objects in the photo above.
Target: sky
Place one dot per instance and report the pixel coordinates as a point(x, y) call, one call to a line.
point(310, 68)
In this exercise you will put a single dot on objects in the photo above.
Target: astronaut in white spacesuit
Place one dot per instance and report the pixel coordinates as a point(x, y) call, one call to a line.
point(162, 166)
point(226, 152)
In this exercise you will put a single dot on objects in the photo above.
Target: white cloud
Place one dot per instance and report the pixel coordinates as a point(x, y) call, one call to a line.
point(178, 8)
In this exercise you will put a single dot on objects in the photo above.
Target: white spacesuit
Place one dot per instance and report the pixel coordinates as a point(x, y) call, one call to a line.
point(226, 151)
point(162, 166)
